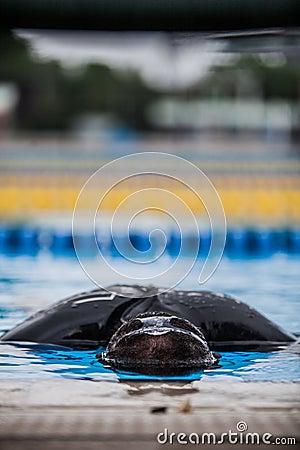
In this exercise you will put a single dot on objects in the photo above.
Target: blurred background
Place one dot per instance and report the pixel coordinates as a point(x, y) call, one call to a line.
point(225, 98)
point(73, 101)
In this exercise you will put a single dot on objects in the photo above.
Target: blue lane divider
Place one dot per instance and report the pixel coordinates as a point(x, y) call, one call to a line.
point(87, 244)
point(112, 249)
point(237, 242)
point(121, 245)
point(174, 244)
point(27, 239)
point(4, 237)
point(140, 241)
point(240, 241)
point(262, 242)
point(205, 241)
point(62, 241)
point(280, 239)
point(293, 241)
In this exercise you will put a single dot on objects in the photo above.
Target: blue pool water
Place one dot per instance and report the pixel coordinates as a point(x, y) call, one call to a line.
point(29, 283)
point(48, 361)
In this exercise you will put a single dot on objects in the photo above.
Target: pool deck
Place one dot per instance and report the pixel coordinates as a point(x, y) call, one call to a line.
point(76, 414)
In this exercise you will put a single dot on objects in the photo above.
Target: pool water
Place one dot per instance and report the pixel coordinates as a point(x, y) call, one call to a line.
point(29, 283)
point(47, 361)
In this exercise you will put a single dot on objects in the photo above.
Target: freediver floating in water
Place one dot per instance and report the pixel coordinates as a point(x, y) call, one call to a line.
point(150, 330)
point(158, 343)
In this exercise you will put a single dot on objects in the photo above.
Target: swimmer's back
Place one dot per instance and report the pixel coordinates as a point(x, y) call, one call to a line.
point(89, 319)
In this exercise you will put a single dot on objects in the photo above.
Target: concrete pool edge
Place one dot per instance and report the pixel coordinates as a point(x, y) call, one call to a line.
point(107, 413)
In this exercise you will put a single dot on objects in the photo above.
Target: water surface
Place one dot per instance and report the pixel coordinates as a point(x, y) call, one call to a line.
point(29, 283)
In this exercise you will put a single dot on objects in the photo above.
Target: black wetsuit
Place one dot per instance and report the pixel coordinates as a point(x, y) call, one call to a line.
point(89, 319)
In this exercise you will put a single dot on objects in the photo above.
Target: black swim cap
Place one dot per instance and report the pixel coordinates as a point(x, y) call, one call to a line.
point(158, 343)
